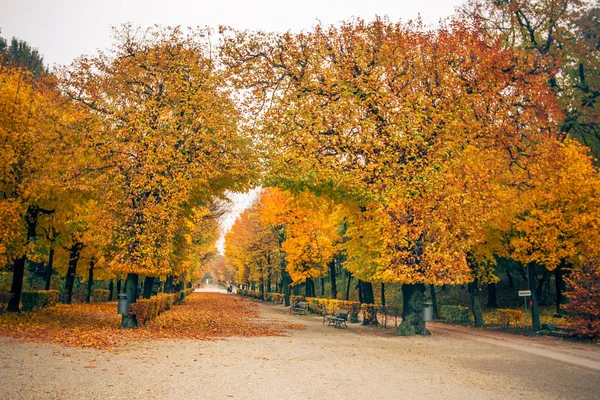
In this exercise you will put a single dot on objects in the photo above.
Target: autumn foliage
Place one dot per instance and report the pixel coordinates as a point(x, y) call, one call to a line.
point(205, 316)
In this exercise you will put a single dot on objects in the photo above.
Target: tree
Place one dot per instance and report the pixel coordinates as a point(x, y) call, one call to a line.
point(19, 54)
point(168, 140)
point(566, 33)
point(379, 116)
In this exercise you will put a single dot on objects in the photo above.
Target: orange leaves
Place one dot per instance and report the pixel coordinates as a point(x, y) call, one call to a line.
point(205, 316)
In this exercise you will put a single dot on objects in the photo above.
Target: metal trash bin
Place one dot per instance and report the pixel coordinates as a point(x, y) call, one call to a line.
point(123, 304)
point(428, 311)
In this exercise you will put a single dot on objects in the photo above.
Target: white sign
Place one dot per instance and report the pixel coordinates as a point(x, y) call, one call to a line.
point(523, 293)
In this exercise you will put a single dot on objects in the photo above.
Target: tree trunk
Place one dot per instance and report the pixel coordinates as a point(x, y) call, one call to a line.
point(332, 279)
point(285, 285)
point(348, 286)
point(169, 284)
point(368, 297)
point(310, 288)
point(17, 285)
point(322, 286)
point(90, 283)
point(535, 310)
point(131, 285)
point(492, 301)
point(111, 290)
point(561, 286)
point(413, 323)
point(148, 284)
point(476, 303)
point(434, 301)
point(511, 281)
point(383, 294)
point(49, 269)
point(118, 286)
point(31, 218)
point(74, 253)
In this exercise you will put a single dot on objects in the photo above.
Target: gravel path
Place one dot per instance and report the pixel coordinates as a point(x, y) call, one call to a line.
point(316, 363)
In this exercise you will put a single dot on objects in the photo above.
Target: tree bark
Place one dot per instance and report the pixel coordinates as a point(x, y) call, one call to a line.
point(111, 290)
point(31, 219)
point(118, 286)
point(131, 285)
point(561, 287)
point(90, 283)
point(434, 301)
point(74, 254)
point(492, 301)
point(332, 279)
point(322, 286)
point(383, 294)
point(49, 269)
point(17, 285)
point(413, 323)
point(285, 285)
point(310, 287)
point(148, 284)
point(368, 297)
point(348, 286)
point(476, 303)
point(169, 284)
point(535, 310)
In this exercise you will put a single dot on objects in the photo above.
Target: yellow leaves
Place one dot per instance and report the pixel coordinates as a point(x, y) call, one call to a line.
point(205, 316)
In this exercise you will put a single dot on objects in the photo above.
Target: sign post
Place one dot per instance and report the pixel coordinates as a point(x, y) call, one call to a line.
point(525, 294)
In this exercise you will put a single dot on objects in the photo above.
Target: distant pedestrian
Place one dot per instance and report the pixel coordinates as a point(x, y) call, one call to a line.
point(229, 289)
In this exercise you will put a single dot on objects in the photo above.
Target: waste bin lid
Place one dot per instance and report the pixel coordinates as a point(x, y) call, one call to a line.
point(122, 295)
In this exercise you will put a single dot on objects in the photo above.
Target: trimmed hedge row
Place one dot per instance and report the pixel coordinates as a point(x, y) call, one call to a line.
point(323, 306)
point(32, 300)
point(276, 298)
point(147, 309)
point(458, 315)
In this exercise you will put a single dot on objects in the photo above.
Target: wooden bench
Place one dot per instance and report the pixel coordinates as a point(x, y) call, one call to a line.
point(337, 319)
point(300, 307)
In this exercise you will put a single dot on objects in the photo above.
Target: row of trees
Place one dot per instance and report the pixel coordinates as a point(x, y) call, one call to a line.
point(120, 160)
point(419, 156)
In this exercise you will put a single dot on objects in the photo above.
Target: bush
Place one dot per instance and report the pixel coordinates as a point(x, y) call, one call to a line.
point(506, 317)
point(38, 299)
point(296, 299)
point(458, 315)
point(317, 305)
point(5, 297)
point(278, 298)
point(100, 295)
point(584, 305)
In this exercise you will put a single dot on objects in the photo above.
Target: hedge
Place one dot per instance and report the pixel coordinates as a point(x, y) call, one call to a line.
point(147, 309)
point(4, 299)
point(32, 300)
point(100, 295)
point(458, 315)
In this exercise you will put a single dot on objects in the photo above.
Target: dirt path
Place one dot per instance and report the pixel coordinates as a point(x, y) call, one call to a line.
point(315, 363)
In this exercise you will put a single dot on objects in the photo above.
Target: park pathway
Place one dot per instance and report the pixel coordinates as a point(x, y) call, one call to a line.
point(317, 362)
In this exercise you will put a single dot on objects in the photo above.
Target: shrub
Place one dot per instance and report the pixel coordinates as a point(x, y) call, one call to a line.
point(317, 305)
point(5, 297)
point(353, 308)
point(296, 299)
point(38, 299)
point(278, 298)
point(584, 305)
point(508, 316)
point(100, 295)
point(458, 315)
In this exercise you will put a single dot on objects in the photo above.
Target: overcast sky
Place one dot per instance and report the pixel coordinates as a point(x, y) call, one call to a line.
point(63, 29)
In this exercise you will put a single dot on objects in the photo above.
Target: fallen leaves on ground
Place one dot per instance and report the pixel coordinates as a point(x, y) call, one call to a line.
point(206, 316)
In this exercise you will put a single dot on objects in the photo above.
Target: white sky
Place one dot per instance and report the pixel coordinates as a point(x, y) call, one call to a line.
point(61, 30)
